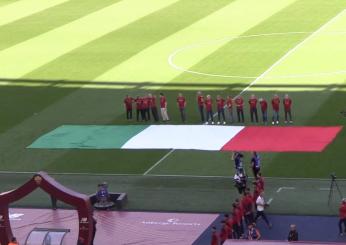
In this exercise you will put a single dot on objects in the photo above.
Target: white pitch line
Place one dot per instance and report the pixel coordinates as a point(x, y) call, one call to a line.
point(295, 48)
point(166, 175)
point(285, 188)
point(159, 161)
point(324, 189)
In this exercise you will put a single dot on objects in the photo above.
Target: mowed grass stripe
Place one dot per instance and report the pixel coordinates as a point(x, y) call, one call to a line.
point(6, 2)
point(233, 19)
point(323, 52)
point(120, 45)
point(253, 56)
point(33, 53)
point(23, 8)
point(26, 28)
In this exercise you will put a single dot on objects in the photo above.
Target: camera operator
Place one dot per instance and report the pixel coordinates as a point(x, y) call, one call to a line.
point(240, 181)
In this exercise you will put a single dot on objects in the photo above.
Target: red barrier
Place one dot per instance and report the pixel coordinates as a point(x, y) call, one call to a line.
point(42, 180)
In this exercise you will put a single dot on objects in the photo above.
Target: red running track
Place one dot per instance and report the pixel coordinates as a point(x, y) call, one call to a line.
point(116, 228)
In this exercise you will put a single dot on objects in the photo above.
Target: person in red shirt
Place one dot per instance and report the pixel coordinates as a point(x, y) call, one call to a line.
point(181, 102)
point(128, 106)
point(264, 110)
point(239, 102)
point(237, 222)
point(138, 102)
point(247, 203)
point(287, 108)
point(209, 108)
point(220, 102)
point(275, 105)
point(229, 104)
point(152, 106)
point(257, 191)
point(260, 181)
point(229, 222)
point(342, 217)
point(146, 111)
point(224, 232)
point(214, 236)
point(163, 106)
point(200, 104)
point(253, 108)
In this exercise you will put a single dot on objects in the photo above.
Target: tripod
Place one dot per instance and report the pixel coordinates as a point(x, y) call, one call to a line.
point(333, 184)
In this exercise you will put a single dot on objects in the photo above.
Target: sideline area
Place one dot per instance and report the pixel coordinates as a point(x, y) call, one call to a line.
point(165, 228)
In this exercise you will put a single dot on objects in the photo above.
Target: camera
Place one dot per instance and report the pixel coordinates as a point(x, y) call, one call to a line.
point(333, 176)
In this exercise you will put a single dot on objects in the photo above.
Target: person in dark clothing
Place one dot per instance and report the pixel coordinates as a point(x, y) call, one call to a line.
point(293, 234)
point(255, 163)
point(238, 160)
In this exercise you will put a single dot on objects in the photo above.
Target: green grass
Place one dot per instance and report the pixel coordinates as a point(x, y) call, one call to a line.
point(137, 53)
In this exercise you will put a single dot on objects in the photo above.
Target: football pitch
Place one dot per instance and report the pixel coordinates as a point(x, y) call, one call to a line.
point(72, 62)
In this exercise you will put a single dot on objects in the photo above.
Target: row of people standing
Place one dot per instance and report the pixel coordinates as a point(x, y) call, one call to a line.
point(146, 108)
point(205, 107)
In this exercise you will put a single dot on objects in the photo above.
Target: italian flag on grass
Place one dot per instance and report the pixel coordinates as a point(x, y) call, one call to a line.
point(189, 137)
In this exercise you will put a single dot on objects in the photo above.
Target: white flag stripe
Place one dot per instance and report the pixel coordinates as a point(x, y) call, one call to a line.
point(189, 137)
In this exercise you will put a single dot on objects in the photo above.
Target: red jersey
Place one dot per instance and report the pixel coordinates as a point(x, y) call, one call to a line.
point(152, 102)
point(128, 103)
point(247, 204)
point(181, 102)
point(239, 102)
point(342, 211)
point(163, 102)
point(264, 105)
point(200, 100)
point(229, 223)
point(220, 103)
point(214, 239)
point(209, 104)
point(229, 103)
point(253, 103)
point(237, 217)
point(224, 233)
point(256, 192)
point(138, 103)
point(287, 104)
point(260, 183)
point(145, 103)
point(276, 104)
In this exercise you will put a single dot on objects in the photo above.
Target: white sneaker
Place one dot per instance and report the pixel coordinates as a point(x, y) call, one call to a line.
point(212, 122)
point(218, 123)
point(277, 122)
point(285, 122)
point(206, 123)
point(273, 122)
point(291, 122)
point(224, 123)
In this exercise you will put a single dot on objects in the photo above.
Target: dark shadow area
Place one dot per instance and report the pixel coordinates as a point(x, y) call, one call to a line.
point(141, 85)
